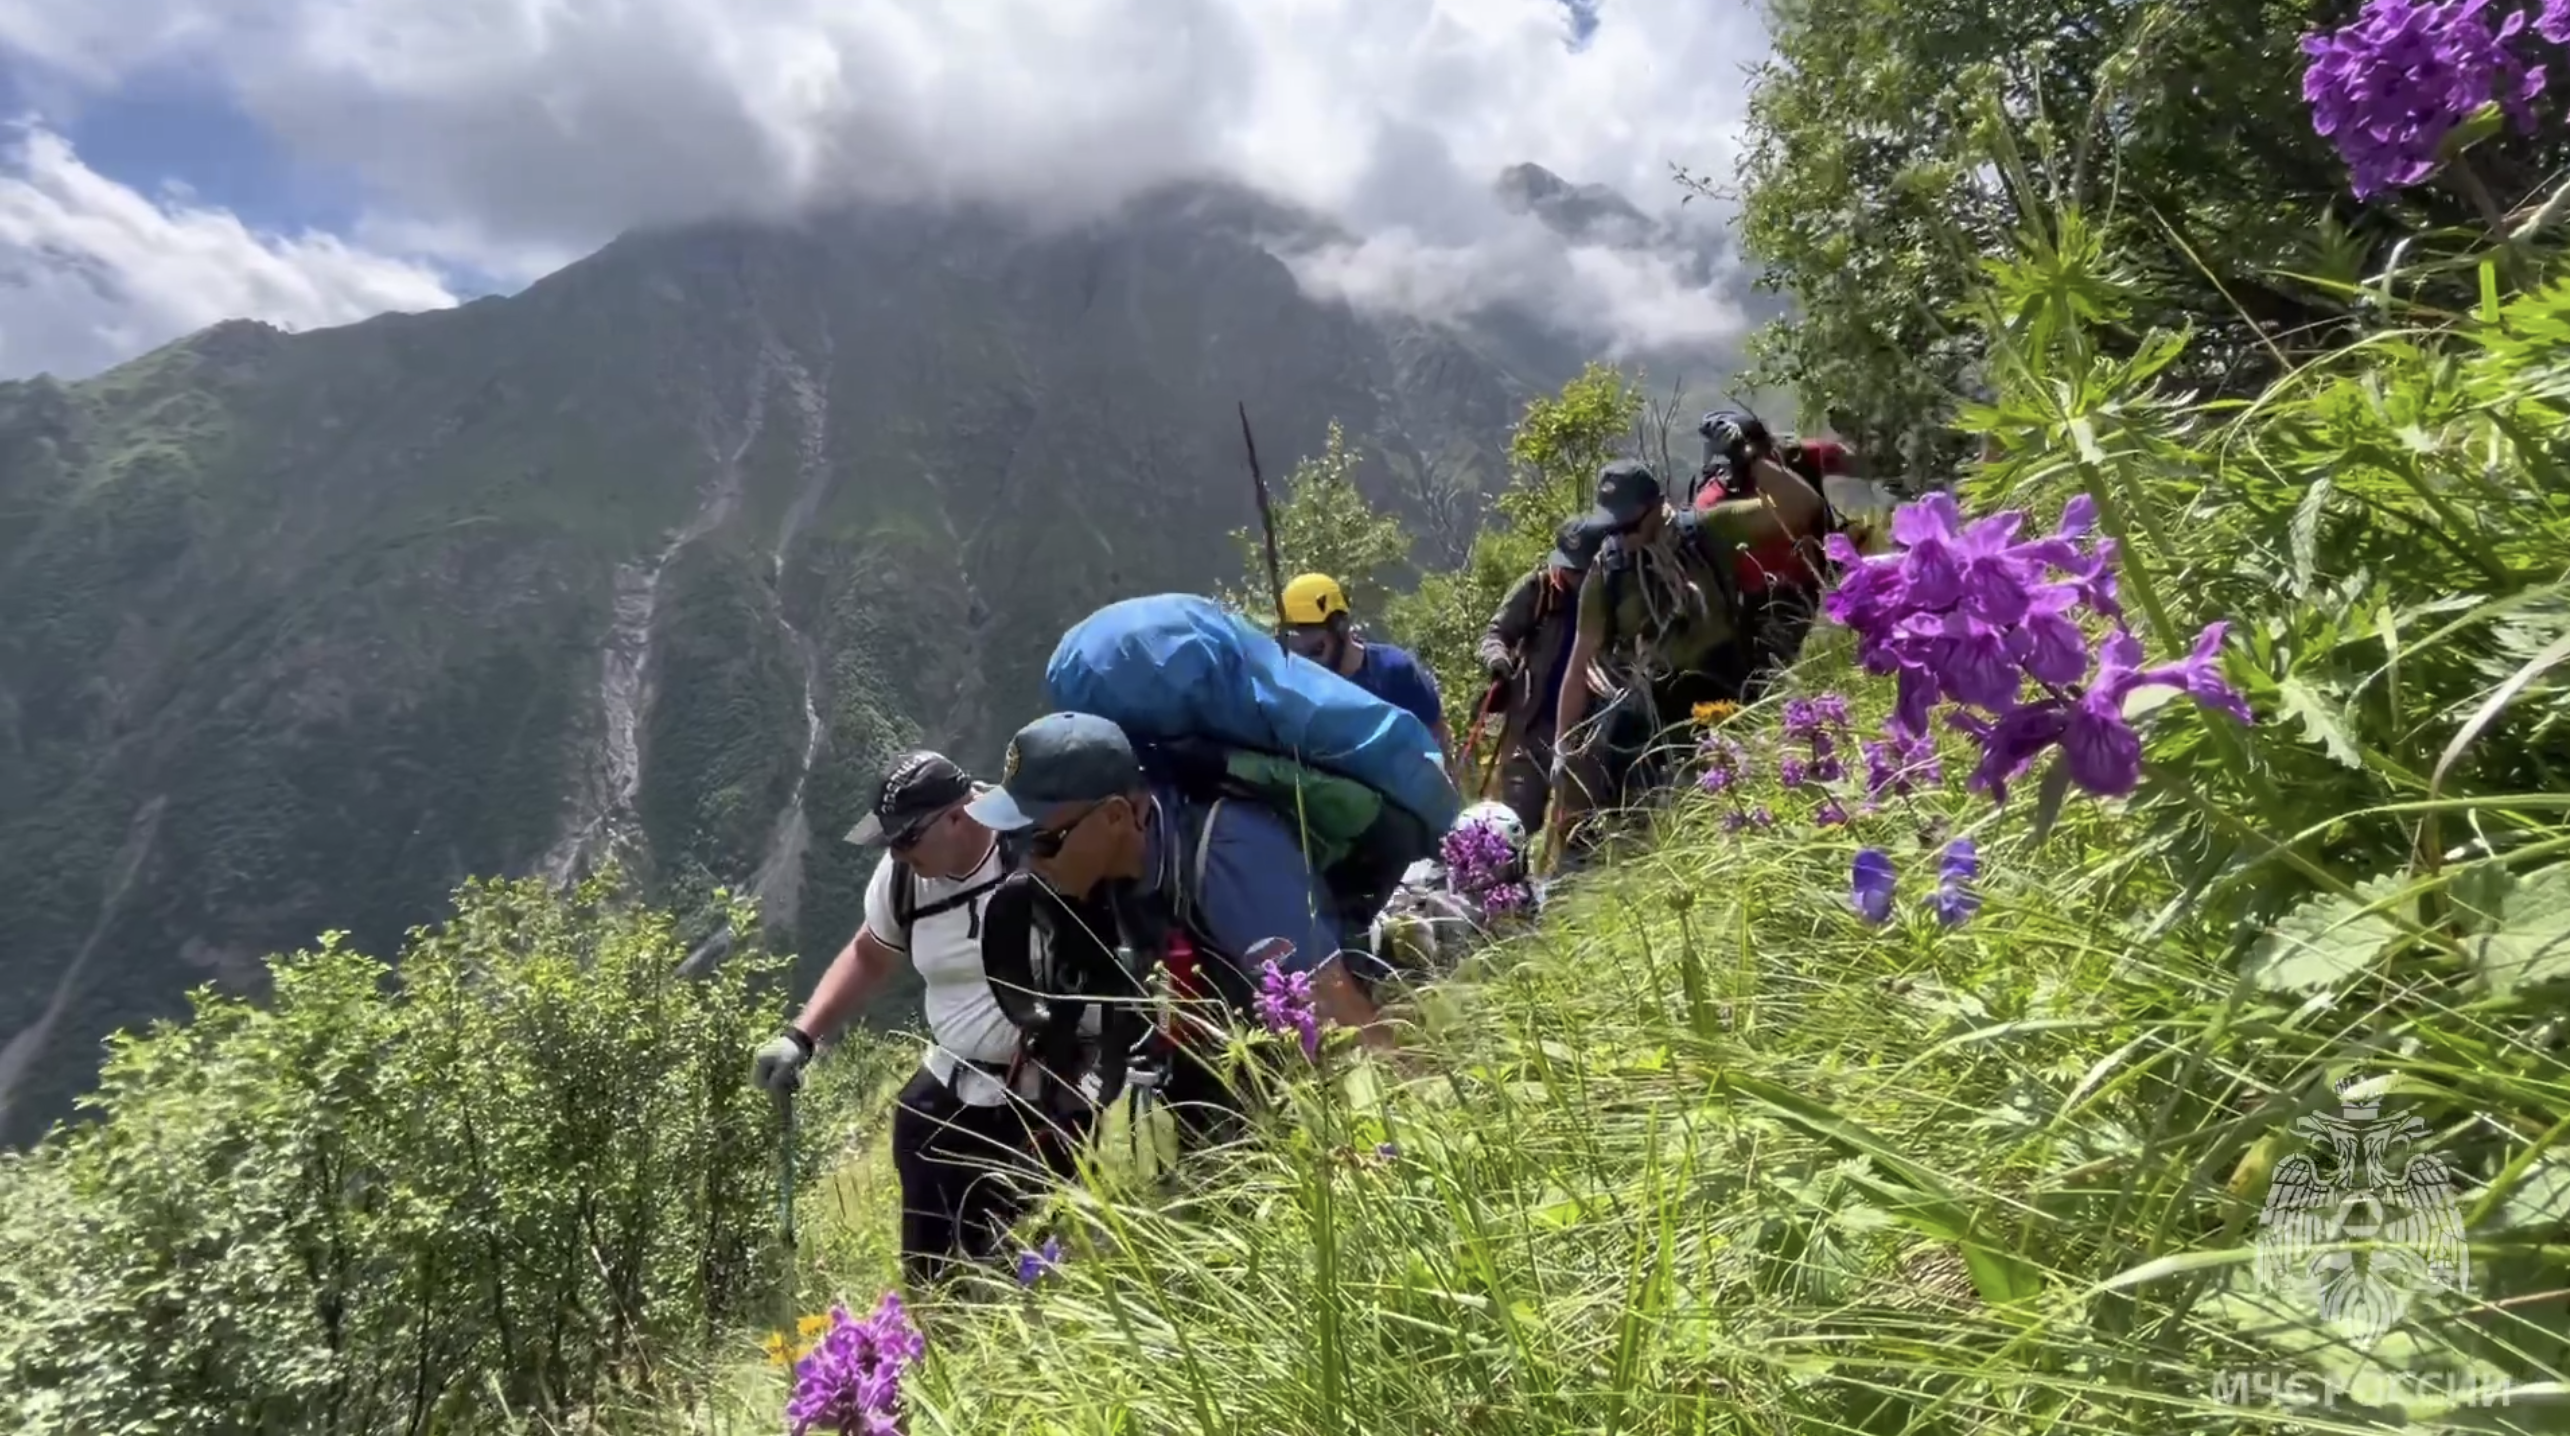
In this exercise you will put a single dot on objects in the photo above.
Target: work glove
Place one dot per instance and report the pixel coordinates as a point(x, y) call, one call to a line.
point(1500, 666)
point(779, 1065)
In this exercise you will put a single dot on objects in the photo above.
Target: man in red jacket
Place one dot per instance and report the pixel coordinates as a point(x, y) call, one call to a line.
point(1780, 581)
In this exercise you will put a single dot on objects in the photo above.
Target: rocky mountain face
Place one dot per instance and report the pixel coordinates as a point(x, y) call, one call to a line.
point(653, 561)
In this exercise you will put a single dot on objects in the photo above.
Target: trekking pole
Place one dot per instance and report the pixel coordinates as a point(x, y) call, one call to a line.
point(1266, 521)
point(785, 1168)
point(1472, 743)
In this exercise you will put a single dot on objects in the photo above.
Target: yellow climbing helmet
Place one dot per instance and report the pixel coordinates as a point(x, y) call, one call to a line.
point(1313, 598)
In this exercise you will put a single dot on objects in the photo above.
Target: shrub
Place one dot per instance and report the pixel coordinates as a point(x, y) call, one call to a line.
point(524, 1165)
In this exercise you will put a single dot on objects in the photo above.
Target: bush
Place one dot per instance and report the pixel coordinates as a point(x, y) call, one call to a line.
point(521, 1167)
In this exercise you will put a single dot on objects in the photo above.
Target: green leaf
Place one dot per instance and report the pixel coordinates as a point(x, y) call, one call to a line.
point(2323, 942)
point(2322, 720)
point(2478, 126)
point(1913, 1192)
point(2048, 798)
point(2531, 944)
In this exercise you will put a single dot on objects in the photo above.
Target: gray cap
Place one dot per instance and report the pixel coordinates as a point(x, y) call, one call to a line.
point(1626, 491)
point(1059, 759)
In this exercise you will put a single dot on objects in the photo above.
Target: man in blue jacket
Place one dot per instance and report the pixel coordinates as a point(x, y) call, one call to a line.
point(1227, 879)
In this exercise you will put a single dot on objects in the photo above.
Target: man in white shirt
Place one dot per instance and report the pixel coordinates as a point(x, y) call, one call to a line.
point(968, 1111)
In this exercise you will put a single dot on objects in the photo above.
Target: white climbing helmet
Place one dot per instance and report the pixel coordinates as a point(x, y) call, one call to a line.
point(1499, 818)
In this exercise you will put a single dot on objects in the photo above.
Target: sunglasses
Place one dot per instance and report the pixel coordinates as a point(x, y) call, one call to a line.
point(1047, 842)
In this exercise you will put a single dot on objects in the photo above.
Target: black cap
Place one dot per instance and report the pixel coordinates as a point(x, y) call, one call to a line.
point(1627, 490)
point(917, 787)
point(1575, 545)
point(1059, 759)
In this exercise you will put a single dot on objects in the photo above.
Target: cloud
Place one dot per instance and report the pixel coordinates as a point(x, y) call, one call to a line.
point(92, 272)
point(543, 127)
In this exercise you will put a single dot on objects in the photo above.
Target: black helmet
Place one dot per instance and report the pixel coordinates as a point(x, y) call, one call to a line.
point(1728, 434)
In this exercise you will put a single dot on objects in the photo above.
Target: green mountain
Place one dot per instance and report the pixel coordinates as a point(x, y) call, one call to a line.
point(652, 561)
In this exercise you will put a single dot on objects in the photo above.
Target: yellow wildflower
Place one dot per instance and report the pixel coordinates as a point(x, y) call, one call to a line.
point(783, 1350)
point(1708, 714)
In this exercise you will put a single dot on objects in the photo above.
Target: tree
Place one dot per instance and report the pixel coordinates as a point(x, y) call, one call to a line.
point(1324, 524)
point(1869, 192)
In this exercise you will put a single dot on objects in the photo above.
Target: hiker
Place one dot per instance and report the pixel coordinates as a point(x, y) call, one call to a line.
point(1319, 626)
point(1525, 650)
point(1658, 625)
point(975, 1113)
point(1476, 886)
point(1779, 581)
point(1208, 890)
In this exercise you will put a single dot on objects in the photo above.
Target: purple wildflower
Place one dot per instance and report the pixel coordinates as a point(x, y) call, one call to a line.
point(1830, 814)
point(2389, 87)
point(1734, 821)
point(1759, 817)
point(850, 1383)
point(2554, 23)
point(1790, 771)
point(1032, 1264)
point(1717, 780)
point(1955, 899)
point(1387, 1151)
point(1478, 857)
point(1870, 889)
point(1285, 1005)
point(1899, 766)
point(1969, 614)
point(1505, 899)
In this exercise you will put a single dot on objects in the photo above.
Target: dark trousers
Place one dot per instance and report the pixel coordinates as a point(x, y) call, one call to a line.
point(967, 1175)
point(1526, 774)
point(1778, 621)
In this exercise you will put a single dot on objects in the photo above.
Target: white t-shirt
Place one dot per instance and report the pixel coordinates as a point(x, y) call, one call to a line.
point(964, 1020)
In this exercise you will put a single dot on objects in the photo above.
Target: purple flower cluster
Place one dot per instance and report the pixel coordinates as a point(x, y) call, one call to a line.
point(1726, 762)
point(1898, 766)
point(1035, 1263)
point(1481, 864)
point(1739, 818)
point(850, 1384)
point(1872, 882)
point(1970, 615)
point(1285, 1005)
point(1811, 738)
point(1955, 899)
point(2388, 87)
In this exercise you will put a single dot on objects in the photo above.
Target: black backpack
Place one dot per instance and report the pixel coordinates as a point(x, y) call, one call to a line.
point(1084, 973)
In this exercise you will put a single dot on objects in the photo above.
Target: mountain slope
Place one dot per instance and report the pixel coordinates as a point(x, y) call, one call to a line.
point(653, 561)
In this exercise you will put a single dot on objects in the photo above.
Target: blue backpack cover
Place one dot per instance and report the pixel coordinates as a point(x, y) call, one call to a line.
point(1173, 666)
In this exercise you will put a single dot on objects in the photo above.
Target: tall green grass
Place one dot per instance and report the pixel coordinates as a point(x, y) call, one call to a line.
point(1708, 1153)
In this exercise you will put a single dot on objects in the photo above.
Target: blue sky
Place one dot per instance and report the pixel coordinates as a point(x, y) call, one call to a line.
point(167, 163)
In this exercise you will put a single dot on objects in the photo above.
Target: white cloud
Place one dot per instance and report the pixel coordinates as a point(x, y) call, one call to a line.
point(543, 127)
point(92, 272)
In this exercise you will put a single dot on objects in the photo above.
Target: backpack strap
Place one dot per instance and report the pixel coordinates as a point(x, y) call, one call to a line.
point(906, 911)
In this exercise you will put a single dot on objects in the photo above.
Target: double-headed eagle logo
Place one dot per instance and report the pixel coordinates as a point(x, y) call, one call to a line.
point(2366, 1223)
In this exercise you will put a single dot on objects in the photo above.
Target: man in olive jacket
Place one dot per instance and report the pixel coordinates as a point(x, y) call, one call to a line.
point(1523, 650)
